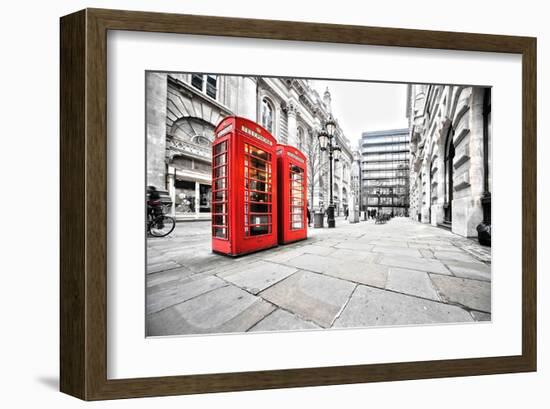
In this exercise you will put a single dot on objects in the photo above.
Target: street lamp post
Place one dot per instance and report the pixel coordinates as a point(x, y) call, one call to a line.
point(328, 143)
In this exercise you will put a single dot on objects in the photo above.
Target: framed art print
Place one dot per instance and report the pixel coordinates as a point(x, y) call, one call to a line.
point(252, 204)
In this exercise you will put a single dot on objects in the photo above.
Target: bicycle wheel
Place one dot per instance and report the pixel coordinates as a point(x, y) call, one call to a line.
point(162, 226)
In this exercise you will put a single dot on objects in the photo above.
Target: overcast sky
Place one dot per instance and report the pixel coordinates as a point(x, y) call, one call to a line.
point(365, 106)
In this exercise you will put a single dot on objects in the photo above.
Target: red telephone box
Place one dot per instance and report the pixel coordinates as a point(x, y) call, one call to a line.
point(244, 194)
point(292, 189)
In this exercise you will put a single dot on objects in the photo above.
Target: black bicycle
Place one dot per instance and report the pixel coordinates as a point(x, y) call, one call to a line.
point(158, 224)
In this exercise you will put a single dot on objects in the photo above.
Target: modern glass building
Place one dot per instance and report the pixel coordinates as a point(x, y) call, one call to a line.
point(385, 171)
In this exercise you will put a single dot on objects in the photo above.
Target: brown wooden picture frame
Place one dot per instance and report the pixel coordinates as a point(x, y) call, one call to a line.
point(83, 231)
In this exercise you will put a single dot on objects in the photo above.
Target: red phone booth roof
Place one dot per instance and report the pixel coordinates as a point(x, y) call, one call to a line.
point(247, 127)
point(293, 152)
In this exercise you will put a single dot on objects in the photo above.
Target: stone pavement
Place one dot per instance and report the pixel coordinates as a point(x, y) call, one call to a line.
point(356, 275)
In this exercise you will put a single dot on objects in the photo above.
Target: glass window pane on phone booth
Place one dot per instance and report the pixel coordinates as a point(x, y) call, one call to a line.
point(220, 184)
point(258, 174)
point(295, 169)
point(255, 185)
point(259, 197)
point(219, 220)
point(259, 230)
point(258, 153)
point(220, 196)
point(260, 219)
point(297, 215)
point(220, 232)
point(220, 208)
point(220, 172)
point(258, 163)
point(220, 159)
point(260, 208)
point(220, 148)
point(296, 225)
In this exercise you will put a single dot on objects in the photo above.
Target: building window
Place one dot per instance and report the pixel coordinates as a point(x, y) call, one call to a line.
point(207, 84)
point(267, 115)
point(300, 139)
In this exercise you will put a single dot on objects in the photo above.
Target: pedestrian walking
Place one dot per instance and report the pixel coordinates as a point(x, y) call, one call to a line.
point(346, 213)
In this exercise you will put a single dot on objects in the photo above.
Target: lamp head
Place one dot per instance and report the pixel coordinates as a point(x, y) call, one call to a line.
point(323, 139)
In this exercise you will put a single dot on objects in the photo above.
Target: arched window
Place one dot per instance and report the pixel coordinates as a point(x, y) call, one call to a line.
point(267, 115)
point(300, 139)
point(193, 130)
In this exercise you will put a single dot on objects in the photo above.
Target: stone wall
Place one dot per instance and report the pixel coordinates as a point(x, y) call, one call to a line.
point(156, 89)
point(441, 116)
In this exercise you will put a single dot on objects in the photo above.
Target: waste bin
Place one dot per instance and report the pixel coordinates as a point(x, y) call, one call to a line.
point(318, 220)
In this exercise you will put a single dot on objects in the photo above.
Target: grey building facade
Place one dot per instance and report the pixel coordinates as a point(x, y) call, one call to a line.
point(450, 128)
point(385, 157)
point(182, 111)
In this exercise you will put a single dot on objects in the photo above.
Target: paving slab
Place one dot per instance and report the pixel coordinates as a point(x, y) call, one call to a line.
point(318, 249)
point(326, 242)
point(313, 297)
point(258, 276)
point(162, 266)
point(415, 263)
point(434, 245)
point(426, 253)
point(412, 282)
point(155, 259)
point(470, 293)
point(224, 310)
point(345, 269)
point(166, 295)
point(465, 269)
point(453, 255)
point(163, 277)
point(480, 316)
point(374, 307)
point(356, 255)
point(284, 255)
point(281, 320)
point(397, 251)
point(354, 245)
point(390, 243)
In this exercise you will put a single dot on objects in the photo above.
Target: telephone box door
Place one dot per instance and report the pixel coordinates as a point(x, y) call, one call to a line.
point(244, 177)
point(292, 175)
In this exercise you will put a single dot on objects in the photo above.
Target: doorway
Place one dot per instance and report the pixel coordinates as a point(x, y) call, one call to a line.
point(449, 171)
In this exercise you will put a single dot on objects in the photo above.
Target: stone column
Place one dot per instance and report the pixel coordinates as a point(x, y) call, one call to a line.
point(474, 214)
point(476, 143)
point(292, 127)
point(197, 199)
point(439, 213)
point(171, 182)
point(248, 104)
point(157, 85)
point(425, 191)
